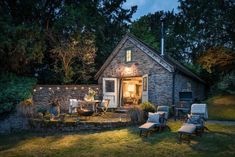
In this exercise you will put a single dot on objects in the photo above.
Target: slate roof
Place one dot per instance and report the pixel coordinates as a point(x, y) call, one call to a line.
point(177, 65)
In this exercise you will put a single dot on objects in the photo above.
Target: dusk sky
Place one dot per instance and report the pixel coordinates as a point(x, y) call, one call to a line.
point(151, 6)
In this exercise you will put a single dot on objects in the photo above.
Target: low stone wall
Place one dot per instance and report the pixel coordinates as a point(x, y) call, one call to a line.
point(43, 94)
point(53, 126)
point(15, 122)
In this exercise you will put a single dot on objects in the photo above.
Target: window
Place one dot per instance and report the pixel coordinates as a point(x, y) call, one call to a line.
point(109, 86)
point(128, 56)
point(183, 96)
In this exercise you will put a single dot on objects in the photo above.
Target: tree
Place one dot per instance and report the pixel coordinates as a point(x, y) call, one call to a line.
point(207, 24)
point(81, 48)
point(218, 59)
point(148, 29)
point(21, 41)
point(30, 29)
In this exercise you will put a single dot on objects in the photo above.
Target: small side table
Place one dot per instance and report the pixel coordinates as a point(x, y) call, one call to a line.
point(182, 109)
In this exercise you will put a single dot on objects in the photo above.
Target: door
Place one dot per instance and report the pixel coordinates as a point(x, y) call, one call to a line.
point(110, 91)
point(144, 88)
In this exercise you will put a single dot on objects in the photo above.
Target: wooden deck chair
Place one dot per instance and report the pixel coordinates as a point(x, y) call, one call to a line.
point(194, 123)
point(103, 106)
point(156, 121)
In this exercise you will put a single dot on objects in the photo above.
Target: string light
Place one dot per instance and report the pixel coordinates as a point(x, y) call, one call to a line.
point(58, 88)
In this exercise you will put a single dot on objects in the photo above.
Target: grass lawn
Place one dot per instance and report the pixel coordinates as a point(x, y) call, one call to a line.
point(222, 107)
point(220, 141)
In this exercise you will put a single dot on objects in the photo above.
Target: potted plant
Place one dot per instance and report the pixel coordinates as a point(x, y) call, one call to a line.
point(147, 107)
point(91, 94)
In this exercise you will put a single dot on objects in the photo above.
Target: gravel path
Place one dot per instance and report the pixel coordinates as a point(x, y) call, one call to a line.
point(221, 122)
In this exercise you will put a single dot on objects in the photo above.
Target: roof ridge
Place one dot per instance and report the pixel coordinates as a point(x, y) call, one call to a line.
point(167, 56)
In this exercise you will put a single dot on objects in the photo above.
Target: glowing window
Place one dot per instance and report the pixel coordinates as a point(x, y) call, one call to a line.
point(128, 56)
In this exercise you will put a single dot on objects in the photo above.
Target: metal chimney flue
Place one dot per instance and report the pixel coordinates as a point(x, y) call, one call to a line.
point(162, 19)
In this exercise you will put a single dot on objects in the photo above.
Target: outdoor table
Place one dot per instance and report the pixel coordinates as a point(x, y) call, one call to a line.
point(182, 109)
point(94, 104)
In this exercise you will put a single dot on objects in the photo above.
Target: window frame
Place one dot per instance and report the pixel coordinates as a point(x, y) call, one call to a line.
point(145, 88)
point(128, 50)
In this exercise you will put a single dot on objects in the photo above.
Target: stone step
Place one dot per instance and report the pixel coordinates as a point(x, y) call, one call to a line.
point(121, 110)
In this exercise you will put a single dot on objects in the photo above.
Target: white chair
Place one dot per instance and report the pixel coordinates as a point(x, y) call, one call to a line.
point(200, 109)
point(73, 104)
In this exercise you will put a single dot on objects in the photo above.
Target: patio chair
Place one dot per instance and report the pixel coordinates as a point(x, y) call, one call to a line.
point(163, 109)
point(156, 121)
point(73, 104)
point(103, 106)
point(195, 122)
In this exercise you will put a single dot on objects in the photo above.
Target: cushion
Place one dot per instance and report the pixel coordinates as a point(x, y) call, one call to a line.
point(147, 126)
point(194, 119)
point(153, 117)
point(187, 128)
point(200, 109)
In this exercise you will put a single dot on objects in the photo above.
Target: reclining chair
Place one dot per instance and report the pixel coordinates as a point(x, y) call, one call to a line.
point(156, 121)
point(195, 122)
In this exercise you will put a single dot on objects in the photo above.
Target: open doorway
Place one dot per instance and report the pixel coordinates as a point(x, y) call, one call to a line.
point(131, 91)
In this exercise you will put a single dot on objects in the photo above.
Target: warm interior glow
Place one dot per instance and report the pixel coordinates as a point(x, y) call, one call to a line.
point(127, 70)
point(131, 88)
point(128, 55)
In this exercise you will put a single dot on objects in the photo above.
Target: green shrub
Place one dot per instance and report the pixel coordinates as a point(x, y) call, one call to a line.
point(26, 108)
point(13, 90)
point(136, 115)
point(147, 107)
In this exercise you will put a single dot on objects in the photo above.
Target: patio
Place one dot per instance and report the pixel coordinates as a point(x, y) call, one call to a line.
point(75, 122)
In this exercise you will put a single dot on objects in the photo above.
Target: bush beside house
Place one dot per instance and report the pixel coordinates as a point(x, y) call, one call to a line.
point(13, 90)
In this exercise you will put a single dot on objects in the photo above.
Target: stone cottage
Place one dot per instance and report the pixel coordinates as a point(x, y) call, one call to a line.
point(135, 73)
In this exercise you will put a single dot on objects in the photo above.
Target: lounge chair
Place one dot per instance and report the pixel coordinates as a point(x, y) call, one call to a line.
point(195, 123)
point(156, 121)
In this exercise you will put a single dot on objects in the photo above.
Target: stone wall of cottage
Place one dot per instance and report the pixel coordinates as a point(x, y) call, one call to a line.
point(160, 80)
point(43, 94)
point(184, 83)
